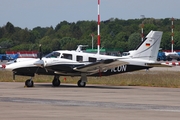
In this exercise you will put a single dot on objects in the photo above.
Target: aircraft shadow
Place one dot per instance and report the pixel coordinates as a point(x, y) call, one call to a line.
point(88, 86)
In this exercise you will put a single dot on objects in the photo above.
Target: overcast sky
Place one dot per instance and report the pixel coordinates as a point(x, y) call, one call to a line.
point(46, 13)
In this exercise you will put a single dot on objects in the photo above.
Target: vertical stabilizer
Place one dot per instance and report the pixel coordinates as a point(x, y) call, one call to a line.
point(148, 49)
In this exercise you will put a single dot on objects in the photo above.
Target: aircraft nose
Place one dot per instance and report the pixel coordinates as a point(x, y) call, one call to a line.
point(9, 67)
point(3, 66)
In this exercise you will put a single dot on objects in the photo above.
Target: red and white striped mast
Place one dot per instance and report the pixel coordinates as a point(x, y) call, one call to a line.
point(98, 42)
point(172, 35)
point(142, 27)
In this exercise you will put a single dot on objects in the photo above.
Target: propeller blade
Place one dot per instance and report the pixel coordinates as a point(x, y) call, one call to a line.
point(14, 75)
point(40, 52)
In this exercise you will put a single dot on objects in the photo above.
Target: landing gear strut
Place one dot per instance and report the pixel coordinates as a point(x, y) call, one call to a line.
point(29, 83)
point(82, 81)
point(56, 82)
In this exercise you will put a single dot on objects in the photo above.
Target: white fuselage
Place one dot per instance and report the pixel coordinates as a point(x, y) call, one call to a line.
point(71, 57)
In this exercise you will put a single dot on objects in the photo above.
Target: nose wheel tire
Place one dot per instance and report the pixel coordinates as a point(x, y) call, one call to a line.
point(80, 83)
point(29, 83)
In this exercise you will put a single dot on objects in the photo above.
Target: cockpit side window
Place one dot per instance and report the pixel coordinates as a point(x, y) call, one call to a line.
point(53, 55)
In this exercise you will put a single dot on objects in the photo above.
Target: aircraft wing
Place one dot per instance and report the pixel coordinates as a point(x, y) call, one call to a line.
point(100, 66)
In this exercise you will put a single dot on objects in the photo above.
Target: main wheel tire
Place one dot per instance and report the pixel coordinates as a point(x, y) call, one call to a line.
point(169, 59)
point(29, 83)
point(56, 83)
point(80, 83)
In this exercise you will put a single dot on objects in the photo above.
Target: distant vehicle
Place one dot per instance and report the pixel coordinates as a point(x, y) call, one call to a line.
point(2, 57)
point(125, 53)
point(172, 55)
point(8, 57)
point(161, 56)
point(128, 53)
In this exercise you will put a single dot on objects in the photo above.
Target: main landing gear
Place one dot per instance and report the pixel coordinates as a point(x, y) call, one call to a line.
point(56, 82)
point(29, 82)
point(82, 81)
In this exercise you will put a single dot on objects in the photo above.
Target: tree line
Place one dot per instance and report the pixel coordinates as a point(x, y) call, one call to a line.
point(115, 34)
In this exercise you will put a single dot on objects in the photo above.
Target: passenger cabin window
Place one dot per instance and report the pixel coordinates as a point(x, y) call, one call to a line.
point(79, 58)
point(67, 56)
point(53, 55)
point(92, 59)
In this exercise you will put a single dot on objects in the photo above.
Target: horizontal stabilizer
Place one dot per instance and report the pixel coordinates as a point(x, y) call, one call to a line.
point(158, 65)
point(100, 66)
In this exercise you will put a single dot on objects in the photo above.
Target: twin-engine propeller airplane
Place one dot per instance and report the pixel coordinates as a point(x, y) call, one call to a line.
point(78, 63)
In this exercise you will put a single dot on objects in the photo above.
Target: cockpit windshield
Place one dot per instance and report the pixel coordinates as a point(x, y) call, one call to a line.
point(53, 55)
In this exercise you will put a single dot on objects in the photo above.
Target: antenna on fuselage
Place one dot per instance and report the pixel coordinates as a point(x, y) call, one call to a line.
point(98, 42)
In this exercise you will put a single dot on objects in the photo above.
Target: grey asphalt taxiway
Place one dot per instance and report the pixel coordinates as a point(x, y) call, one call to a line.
point(93, 102)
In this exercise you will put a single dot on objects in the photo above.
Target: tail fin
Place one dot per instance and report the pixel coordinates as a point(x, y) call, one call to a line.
point(149, 47)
